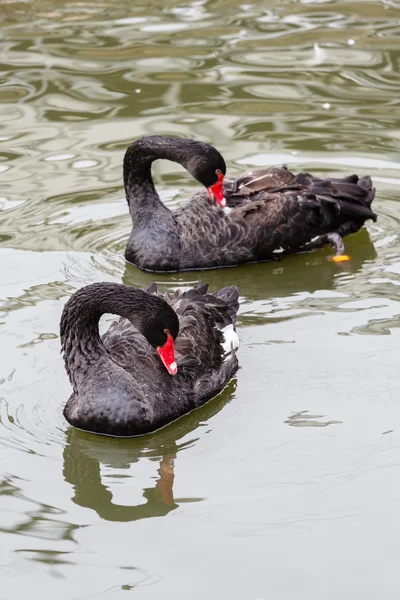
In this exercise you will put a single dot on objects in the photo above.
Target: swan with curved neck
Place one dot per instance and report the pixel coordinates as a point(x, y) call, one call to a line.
point(129, 382)
point(271, 211)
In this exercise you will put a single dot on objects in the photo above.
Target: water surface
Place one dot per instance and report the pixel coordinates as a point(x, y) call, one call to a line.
point(286, 485)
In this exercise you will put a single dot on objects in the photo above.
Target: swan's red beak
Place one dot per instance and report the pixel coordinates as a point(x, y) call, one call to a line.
point(216, 193)
point(167, 355)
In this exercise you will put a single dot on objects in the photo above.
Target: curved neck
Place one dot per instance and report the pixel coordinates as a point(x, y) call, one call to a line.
point(193, 155)
point(144, 151)
point(154, 242)
point(138, 182)
point(79, 325)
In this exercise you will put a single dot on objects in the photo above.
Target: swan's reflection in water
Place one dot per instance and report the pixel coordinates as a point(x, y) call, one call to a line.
point(82, 470)
point(84, 454)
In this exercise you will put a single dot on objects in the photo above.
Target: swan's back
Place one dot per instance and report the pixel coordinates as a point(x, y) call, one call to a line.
point(270, 211)
point(205, 321)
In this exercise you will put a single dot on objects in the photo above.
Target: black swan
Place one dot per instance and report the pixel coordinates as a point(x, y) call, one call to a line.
point(258, 216)
point(120, 385)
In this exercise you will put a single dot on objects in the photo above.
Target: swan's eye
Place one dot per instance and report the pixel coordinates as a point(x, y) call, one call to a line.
point(217, 172)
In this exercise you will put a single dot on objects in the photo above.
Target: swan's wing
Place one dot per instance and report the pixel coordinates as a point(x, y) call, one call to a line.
point(207, 332)
point(268, 180)
point(129, 348)
point(350, 195)
point(286, 219)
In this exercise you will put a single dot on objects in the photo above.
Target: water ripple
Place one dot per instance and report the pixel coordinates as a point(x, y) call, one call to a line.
point(310, 84)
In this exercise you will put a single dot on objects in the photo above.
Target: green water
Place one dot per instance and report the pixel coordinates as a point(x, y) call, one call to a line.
point(286, 485)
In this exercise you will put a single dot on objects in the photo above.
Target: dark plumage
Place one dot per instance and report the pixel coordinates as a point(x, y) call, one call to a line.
point(270, 211)
point(120, 386)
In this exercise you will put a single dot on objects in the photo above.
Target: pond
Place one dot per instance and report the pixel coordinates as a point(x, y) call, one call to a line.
point(286, 484)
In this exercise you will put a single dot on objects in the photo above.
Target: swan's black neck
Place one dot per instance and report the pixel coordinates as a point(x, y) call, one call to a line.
point(197, 158)
point(79, 326)
point(154, 243)
point(143, 152)
point(143, 200)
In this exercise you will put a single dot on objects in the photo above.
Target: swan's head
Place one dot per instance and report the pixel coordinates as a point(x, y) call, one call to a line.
point(207, 165)
point(160, 329)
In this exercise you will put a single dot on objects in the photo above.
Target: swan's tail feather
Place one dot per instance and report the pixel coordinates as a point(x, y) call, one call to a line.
point(352, 196)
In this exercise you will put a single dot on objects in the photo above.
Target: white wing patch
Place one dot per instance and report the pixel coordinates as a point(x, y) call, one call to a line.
point(231, 339)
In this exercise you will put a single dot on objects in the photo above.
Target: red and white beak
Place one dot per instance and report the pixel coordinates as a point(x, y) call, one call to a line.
point(167, 355)
point(216, 193)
